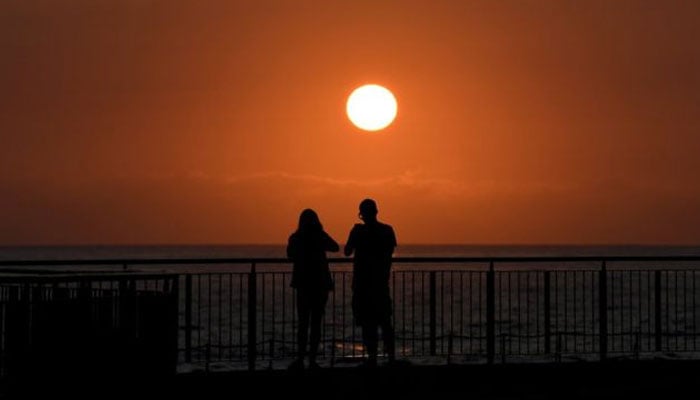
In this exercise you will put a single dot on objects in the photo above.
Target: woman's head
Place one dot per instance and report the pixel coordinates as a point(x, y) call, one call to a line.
point(309, 222)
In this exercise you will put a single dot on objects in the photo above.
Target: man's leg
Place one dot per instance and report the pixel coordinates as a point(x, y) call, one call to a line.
point(388, 338)
point(370, 337)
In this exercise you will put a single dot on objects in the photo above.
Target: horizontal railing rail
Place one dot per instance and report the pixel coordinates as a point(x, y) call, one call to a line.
point(336, 260)
point(56, 277)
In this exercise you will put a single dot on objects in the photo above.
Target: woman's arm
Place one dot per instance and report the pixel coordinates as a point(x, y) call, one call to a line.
point(331, 244)
point(291, 248)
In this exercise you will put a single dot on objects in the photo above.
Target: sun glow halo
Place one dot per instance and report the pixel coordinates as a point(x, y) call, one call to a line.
point(371, 107)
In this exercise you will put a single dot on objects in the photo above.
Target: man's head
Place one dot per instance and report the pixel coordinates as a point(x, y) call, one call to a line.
point(368, 210)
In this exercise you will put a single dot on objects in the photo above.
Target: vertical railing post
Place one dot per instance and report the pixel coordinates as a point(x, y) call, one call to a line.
point(17, 332)
point(433, 316)
point(272, 352)
point(449, 347)
point(503, 349)
point(3, 314)
point(188, 318)
point(547, 315)
point(174, 320)
point(124, 311)
point(252, 316)
point(491, 314)
point(333, 352)
point(84, 321)
point(207, 357)
point(603, 311)
point(657, 310)
point(558, 350)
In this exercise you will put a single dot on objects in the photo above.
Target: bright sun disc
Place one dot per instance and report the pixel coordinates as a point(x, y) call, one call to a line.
point(371, 107)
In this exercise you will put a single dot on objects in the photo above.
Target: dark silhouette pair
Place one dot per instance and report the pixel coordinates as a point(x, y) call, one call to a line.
point(372, 244)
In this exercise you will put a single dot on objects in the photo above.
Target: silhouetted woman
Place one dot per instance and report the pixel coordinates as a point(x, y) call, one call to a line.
point(311, 278)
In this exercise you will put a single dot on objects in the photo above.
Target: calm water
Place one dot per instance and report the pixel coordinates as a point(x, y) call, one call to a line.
point(278, 251)
point(232, 251)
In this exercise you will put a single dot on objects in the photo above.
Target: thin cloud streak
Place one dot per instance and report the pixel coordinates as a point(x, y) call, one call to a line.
point(409, 180)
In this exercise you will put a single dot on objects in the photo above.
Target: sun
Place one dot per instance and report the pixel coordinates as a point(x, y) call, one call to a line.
point(371, 107)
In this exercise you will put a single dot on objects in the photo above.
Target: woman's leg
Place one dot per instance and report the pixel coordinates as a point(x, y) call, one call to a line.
point(317, 312)
point(303, 312)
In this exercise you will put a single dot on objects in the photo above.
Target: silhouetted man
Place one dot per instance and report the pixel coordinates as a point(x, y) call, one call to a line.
point(373, 244)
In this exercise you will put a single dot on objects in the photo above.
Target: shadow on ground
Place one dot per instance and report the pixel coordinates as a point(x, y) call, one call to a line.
point(580, 380)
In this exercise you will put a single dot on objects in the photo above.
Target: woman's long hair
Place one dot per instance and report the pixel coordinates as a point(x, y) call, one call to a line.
point(309, 222)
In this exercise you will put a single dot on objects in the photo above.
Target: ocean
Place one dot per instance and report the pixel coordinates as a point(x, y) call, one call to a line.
point(273, 251)
point(165, 252)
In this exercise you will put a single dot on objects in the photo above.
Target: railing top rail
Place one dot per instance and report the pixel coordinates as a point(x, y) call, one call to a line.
point(83, 277)
point(413, 260)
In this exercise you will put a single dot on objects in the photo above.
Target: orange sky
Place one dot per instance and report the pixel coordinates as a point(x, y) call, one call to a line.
point(169, 122)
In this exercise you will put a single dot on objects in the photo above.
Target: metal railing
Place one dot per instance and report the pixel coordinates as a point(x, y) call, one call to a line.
point(242, 311)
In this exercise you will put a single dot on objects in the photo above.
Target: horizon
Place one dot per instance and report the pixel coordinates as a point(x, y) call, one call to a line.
point(485, 245)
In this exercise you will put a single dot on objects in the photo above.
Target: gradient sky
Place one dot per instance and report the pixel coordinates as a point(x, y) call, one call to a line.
point(202, 122)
